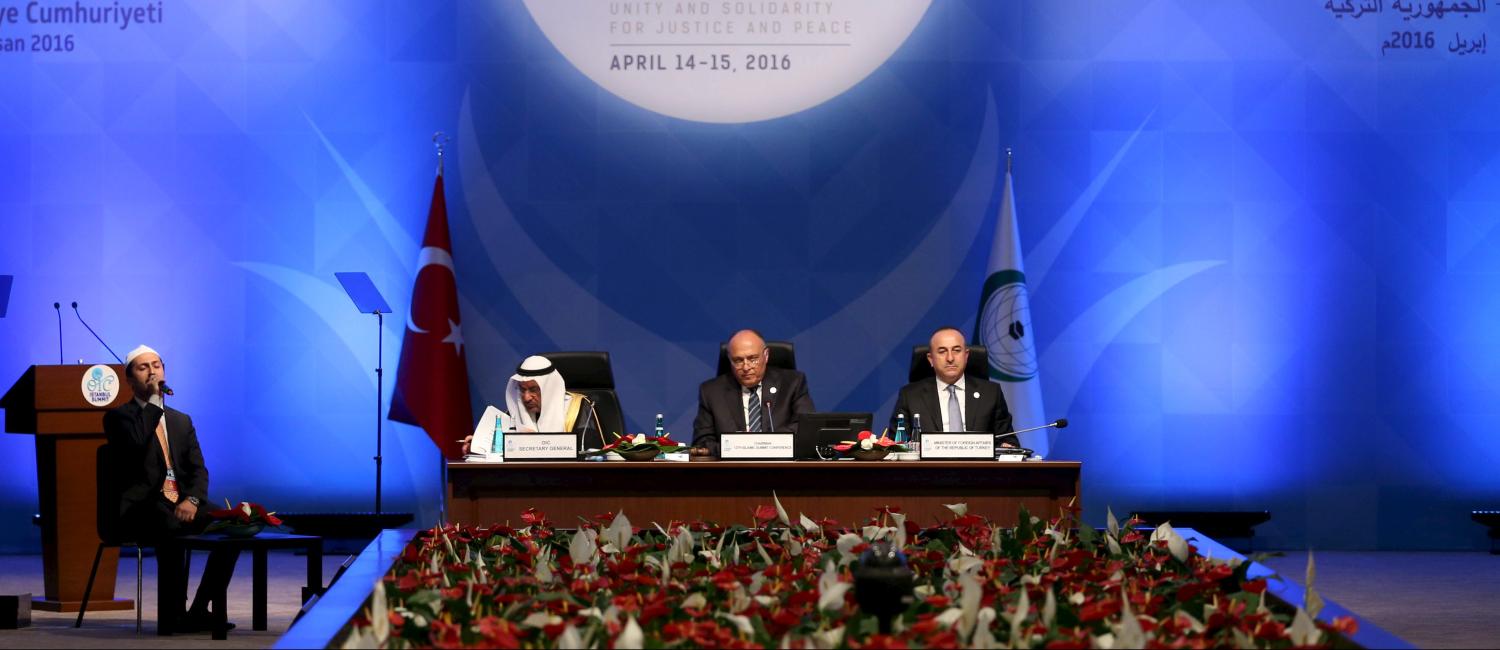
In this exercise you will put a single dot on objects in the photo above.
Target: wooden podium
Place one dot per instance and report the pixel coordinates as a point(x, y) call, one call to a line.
point(49, 402)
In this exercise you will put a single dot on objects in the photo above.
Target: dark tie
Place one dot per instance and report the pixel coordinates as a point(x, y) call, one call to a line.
point(755, 422)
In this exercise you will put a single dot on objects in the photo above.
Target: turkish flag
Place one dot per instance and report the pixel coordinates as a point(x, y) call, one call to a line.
point(432, 380)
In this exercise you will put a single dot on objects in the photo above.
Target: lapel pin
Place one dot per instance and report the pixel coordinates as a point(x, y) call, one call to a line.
point(976, 394)
point(773, 390)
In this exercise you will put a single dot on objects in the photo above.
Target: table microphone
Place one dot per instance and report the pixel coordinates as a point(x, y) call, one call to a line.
point(594, 415)
point(96, 335)
point(1061, 424)
point(57, 307)
point(770, 421)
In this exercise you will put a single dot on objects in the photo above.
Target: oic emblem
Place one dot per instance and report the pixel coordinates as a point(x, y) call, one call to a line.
point(100, 385)
point(1005, 327)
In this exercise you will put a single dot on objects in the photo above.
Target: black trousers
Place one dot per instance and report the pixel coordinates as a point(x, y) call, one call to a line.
point(156, 524)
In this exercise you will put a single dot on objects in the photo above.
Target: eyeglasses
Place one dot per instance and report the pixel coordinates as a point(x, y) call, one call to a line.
point(747, 362)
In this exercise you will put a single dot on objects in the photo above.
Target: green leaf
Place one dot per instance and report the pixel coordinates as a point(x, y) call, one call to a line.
point(1024, 531)
point(1087, 536)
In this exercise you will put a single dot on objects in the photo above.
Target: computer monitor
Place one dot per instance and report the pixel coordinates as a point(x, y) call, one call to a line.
point(814, 429)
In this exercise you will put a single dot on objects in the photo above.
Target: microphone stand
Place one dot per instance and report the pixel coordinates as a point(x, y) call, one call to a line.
point(57, 307)
point(96, 334)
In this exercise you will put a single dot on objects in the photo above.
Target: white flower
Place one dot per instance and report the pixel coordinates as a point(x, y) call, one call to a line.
point(867, 443)
point(639, 439)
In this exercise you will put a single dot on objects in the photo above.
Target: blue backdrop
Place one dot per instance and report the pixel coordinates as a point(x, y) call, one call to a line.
point(1261, 239)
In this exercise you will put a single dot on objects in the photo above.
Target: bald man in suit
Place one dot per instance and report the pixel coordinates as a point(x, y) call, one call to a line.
point(737, 401)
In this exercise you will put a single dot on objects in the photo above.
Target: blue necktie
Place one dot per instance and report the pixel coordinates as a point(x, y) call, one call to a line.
point(955, 416)
point(755, 423)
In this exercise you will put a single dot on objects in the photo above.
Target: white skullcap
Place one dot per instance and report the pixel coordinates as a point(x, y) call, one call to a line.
point(140, 350)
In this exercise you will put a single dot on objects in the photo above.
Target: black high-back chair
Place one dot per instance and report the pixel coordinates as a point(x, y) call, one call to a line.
point(978, 366)
point(783, 355)
point(107, 521)
point(590, 373)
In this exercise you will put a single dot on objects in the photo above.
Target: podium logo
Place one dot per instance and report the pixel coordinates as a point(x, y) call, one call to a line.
point(101, 385)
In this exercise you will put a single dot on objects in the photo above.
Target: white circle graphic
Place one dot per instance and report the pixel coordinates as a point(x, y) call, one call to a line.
point(727, 61)
point(100, 385)
point(1007, 313)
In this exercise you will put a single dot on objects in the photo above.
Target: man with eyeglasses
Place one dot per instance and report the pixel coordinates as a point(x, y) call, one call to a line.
point(752, 397)
point(953, 401)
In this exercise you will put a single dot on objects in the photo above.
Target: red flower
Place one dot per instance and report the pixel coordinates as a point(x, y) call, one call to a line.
point(879, 641)
point(497, 632)
point(1099, 609)
point(533, 518)
point(446, 635)
point(765, 513)
point(1344, 625)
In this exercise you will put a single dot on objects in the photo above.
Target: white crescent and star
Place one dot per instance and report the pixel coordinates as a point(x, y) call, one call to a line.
point(434, 256)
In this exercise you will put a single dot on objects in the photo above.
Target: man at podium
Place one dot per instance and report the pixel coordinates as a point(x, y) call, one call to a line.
point(157, 469)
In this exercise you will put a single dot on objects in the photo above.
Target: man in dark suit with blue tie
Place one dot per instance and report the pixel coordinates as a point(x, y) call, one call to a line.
point(954, 401)
point(156, 468)
point(752, 397)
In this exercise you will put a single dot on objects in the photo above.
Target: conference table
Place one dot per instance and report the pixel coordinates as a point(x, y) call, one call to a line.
point(728, 492)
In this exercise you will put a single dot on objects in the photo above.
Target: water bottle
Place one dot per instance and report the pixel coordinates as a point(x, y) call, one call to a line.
point(497, 446)
point(660, 425)
point(900, 428)
point(916, 434)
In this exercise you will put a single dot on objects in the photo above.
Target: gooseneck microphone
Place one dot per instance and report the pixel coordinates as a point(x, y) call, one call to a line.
point(593, 417)
point(1061, 423)
point(165, 389)
point(57, 307)
point(96, 335)
point(770, 422)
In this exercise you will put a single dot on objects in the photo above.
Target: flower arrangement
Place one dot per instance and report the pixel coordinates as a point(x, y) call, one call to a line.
point(246, 519)
point(785, 583)
point(639, 444)
point(868, 442)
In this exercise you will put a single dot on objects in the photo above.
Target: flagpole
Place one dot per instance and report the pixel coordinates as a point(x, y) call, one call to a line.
point(379, 400)
point(439, 141)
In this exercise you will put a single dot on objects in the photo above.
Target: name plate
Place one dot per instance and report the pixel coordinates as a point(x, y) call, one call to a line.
point(979, 446)
point(541, 446)
point(756, 446)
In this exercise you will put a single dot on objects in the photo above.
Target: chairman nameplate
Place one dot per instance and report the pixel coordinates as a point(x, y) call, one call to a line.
point(958, 446)
point(541, 446)
point(756, 446)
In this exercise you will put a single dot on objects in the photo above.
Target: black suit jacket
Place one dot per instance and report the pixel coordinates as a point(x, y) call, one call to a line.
point(986, 412)
point(137, 466)
point(720, 408)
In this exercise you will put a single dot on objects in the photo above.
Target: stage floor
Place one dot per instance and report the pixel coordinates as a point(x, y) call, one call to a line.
point(286, 574)
point(1432, 600)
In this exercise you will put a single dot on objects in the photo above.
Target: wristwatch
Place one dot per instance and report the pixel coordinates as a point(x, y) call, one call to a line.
point(194, 501)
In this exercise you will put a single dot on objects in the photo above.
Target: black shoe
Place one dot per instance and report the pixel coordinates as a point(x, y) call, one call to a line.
point(195, 622)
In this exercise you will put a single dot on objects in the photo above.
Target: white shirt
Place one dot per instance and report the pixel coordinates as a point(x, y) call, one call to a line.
point(942, 389)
